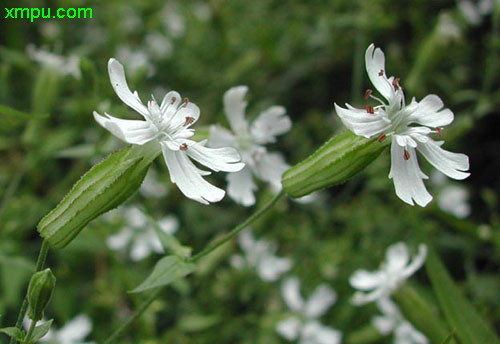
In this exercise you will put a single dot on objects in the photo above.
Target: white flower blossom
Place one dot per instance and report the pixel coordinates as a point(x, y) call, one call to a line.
point(135, 59)
point(249, 140)
point(74, 332)
point(152, 187)
point(409, 126)
point(169, 124)
point(140, 235)
point(303, 325)
point(474, 11)
point(392, 321)
point(260, 254)
point(454, 199)
point(159, 45)
point(393, 272)
point(173, 21)
point(60, 64)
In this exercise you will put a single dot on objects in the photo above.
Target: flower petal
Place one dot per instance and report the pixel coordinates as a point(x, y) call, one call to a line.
point(270, 123)
point(234, 107)
point(130, 131)
point(366, 280)
point(361, 122)
point(417, 262)
point(397, 257)
point(171, 100)
point(221, 137)
point(218, 159)
point(290, 290)
point(188, 177)
point(270, 167)
point(315, 333)
point(141, 248)
point(320, 301)
point(241, 187)
point(270, 267)
point(407, 176)
point(169, 224)
point(429, 112)
point(119, 240)
point(119, 83)
point(289, 328)
point(184, 111)
point(451, 164)
point(375, 63)
point(76, 330)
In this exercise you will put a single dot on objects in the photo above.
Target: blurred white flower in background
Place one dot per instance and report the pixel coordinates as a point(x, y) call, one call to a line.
point(454, 199)
point(139, 233)
point(448, 28)
point(260, 254)
point(392, 321)
point(409, 127)
point(474, 11)
point(173, 21)
point(303, 325)
point(396, 269)
point(202, 11)
point(152, 187)
point(135, 59)
point(169, 125)
point(73, 332)
point(61, 64)
point(159, 46)
point(50, 29)
point(250, 141)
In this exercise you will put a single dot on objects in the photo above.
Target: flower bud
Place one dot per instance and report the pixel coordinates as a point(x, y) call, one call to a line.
point(39, 293)
point(335, 162)
point(104, 187)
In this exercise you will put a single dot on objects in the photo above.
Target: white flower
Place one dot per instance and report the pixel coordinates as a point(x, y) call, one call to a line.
point(135, 59)
point(249, 140)
point(60, 64)
point(169, 124)
point(74, 332)
point(140, 234)
point(409, 126)
point(152, 187)
point(392, 321)
point(473, 11)
point(454, 199)
point(394, 271)
point(303, 324)
point(159, 45)
point(260, 254)
point(173, 21)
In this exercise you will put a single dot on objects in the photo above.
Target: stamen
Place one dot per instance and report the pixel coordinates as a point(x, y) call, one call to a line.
point(183, 147)
point(188, 121)
point(173, 100)
point(439, 131)
point(369, 109)
point(381, 137)
point(368, 93)
point(395, 83)
point(381, 72)
point(186, 102)
point(406, 155)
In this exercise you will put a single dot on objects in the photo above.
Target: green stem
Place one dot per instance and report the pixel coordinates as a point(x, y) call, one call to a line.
point(134, 317)
point(195, 258)
point(42, 256)
point(237, 229)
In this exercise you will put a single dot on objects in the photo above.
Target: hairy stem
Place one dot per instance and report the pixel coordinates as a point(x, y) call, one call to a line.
point(40, 263)
point(134, 317)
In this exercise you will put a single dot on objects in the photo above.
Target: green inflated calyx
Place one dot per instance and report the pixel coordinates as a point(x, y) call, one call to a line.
point(104, 187)
point(39, 293)
point(339, 159)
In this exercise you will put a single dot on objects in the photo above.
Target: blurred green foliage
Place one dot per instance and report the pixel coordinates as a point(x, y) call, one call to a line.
point(303, 55)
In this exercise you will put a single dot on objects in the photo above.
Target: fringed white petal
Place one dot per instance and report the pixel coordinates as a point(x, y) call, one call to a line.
point(234, 107)
point(290, 289)
point(430, 113)
point(217, 159)
point(320, 301)
point(130, 131)
point(361, 122)
point(453, 165)
point(407, 176)
point(375, 67)
point(119, 83)
point(241, 187)
point(270, 123)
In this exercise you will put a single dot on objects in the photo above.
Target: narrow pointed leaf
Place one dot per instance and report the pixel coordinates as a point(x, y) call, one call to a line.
point(460, 314)
point(41, 330)
point(13, 332)
point(167, 270)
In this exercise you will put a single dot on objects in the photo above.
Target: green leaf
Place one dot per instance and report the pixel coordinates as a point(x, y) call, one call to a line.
point(198, 322)
point(450, 338)
point(461, 316)
point(171, 243)
point(41, 331)
point(167, 270)
point(10, 112)
point(13, 332)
